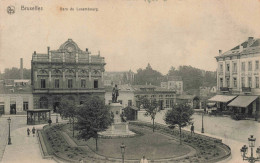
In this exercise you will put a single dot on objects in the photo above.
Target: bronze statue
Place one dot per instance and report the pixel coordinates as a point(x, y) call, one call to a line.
point(115, 94)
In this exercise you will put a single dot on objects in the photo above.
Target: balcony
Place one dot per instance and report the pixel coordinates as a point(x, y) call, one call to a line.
point(224, 89)
point(246, 89)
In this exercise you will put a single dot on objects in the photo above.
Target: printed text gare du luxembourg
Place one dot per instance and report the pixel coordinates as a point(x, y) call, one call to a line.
point(40, 8)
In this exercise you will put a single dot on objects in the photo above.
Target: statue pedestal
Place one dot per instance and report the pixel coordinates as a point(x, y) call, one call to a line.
point(118, 128)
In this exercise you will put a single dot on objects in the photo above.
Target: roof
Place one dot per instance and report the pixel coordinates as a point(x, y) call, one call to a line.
point(242, 101)
point(39, 110)
point(187, 97)
point(150, 88)
point(222, 98)
point(15, 89)
point(124, 87)
point(253, 47)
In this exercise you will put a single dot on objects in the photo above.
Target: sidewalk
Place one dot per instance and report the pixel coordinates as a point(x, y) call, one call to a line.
point(24, 148)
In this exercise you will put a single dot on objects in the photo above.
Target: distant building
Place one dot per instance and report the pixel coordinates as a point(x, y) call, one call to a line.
point(119, 78)
point(126, 95)
point(238, 78)
point(165, 97)
point(129, 95)
point(173, 83)
point(67, 72)
point(15, 96)
point(192, 100)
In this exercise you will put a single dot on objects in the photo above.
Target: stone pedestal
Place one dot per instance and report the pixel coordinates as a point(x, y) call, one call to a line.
point(118, 128)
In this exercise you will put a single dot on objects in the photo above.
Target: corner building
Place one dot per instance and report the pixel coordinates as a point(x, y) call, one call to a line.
point(68, 73)
point(238, 77)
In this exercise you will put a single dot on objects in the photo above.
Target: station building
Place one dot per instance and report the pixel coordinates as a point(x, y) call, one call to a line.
point(67, 72)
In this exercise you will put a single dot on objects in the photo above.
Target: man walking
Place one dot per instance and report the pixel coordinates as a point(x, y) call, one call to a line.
point(28, 132)
point(192, 129)
point(33, 131)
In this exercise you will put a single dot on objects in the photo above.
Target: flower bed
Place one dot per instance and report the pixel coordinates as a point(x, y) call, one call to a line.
point(208, 149)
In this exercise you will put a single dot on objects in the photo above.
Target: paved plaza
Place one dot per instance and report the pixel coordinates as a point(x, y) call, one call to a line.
point(26, 149)
point(23, 148)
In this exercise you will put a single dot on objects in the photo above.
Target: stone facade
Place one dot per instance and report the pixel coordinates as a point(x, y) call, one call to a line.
point(68, 73)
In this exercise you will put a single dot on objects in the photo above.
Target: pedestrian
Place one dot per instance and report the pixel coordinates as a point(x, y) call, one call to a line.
point(33, 131)
point(192, 129)
point(28, 132)
point(144, 160)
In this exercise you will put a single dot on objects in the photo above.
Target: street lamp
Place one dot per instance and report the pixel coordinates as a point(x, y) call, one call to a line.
point(202, 128)
point(9, 137)
point(122, 146)
point(244, 150)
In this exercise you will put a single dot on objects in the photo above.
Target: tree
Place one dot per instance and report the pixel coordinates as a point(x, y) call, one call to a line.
point(93, 117)
point(179, 115)
point(148, 76)
point(68, 109)
point(151, 108)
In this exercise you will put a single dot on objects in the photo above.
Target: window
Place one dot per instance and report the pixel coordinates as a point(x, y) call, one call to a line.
point(250, 82)
point(171, 103)
point(95, 83)
point(167, 103)
point(25, 106)
point(234, 82)
point(83, 83)
point(129, 102)
point(256, 65)
point(43, 85)
point(69, 83)
point(243, 66)
point(161, 104)
point(243, 81)
point(228, 82)
point(257, 82)
point(249, 66)
point(234, 67)
point(221, 67)
point(221, 82)
point(57, 83)
point(228, 67)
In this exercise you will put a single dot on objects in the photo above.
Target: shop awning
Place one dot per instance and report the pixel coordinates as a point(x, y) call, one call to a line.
point(243, 101)
point(222, 98)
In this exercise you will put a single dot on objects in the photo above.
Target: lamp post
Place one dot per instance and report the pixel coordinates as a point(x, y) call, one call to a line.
point(122, 146)
point(202, 127)
point(9, 137)
point(244, 150)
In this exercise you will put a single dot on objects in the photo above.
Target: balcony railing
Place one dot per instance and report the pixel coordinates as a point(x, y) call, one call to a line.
point(246, 89)
point(224, 89)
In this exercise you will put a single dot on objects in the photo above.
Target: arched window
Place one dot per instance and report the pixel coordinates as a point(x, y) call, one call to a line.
point(43, 103)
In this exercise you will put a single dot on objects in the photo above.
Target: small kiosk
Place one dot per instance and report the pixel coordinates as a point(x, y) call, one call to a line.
point(38, 116)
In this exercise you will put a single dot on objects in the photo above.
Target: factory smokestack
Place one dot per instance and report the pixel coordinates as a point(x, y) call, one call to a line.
point(21, 68)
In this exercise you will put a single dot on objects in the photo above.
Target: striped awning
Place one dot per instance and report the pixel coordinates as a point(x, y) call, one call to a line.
point(222, 98)
point(243, 101)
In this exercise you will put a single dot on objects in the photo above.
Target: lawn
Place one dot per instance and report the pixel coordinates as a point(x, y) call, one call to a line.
point(152, 145)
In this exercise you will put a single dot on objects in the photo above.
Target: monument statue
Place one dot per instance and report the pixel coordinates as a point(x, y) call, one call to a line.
point(115, 94)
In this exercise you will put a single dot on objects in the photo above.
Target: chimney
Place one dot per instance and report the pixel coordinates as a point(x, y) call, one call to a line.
point(220, 52)
point(86, 49)
point(21, 68)
point(48, 50)
point(250, 41)
point(241, 48)
point(34, 53)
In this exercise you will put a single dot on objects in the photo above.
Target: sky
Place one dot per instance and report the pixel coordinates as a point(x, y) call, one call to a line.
point(129, 33)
